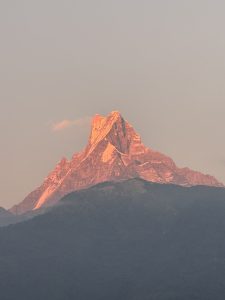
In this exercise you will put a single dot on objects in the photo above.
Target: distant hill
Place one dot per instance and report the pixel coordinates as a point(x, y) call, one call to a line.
point(6, 217)
point(131, 240)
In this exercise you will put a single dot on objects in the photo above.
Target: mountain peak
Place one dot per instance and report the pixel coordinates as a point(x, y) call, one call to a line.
point(102, 125)
point(115, 130)
point(114, 152)
point(116, 114)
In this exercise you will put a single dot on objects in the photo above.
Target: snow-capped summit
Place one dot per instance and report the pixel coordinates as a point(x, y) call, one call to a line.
point(114, 152)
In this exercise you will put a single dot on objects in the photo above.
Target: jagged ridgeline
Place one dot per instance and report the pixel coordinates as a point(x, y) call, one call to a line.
point(114, 152)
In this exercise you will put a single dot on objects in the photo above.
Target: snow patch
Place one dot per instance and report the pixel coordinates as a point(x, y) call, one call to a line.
point(47, 193)
point(108, 153)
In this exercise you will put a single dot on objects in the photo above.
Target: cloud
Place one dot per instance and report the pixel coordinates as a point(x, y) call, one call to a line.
point(65, 124)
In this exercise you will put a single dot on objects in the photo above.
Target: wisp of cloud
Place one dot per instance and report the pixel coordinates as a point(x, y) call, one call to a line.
point(65, 124)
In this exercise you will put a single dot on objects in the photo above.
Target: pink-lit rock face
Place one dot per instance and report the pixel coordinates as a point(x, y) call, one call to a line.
point(114, 152)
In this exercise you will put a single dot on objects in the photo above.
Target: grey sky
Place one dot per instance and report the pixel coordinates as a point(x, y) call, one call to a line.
point(161, 63)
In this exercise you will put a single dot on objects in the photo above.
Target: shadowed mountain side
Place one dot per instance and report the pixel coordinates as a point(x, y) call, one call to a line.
point(6, 217)
point(129, 240)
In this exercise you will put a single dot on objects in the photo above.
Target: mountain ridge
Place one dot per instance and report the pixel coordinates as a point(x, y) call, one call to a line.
point(114, 152)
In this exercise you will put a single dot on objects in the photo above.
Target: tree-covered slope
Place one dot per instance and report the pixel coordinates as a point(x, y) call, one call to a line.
point(132, 240)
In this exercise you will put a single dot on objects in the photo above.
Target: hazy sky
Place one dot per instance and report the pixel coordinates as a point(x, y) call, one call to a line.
point(161, 63)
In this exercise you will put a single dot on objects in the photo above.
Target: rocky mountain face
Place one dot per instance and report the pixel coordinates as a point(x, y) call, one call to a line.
point(114, 152)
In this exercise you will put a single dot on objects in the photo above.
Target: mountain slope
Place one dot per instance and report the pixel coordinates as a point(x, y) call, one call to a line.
point(5, 217)
point(114, 152)
point(129, 240)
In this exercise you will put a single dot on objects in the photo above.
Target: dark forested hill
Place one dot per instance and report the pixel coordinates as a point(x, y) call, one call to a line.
point(6, 217)
point(132, 240)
